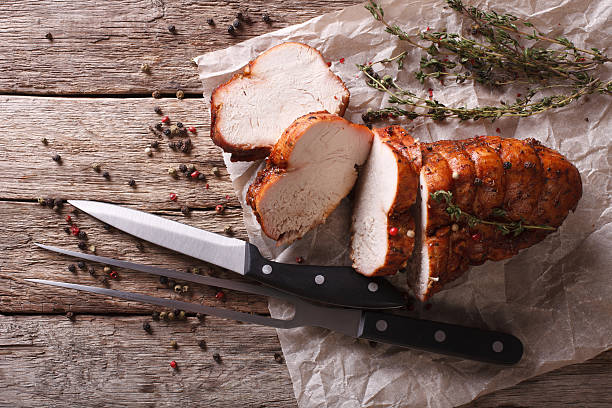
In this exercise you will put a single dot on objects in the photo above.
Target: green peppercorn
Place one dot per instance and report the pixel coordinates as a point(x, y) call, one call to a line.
point(41, 201)
point(145, 68)
point(178, 288)
point(96, 167)
point(195, 271)
point(107, 269)
point(171, 316)
point(163, 315)
point(173, 344)
point(192, 168)
point(182, 315)
point(180, 94)
point(228, 230)
point(92, 248)
point(172, 171)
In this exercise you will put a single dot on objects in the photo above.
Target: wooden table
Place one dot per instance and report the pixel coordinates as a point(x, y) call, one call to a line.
point(84, 92)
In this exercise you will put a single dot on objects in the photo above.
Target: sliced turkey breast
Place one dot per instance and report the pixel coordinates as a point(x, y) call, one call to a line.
point(251, 111)
point(512, 181)
point(311, 168)
point(383, 225)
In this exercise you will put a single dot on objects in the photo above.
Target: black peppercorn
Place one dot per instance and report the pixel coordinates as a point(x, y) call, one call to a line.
point(202, 344)
point(172, 145)
point(236, 23)
point(50, 202)
point(44, 141)
point(57, 158)
point(67, 230)
point(70, 315)
point(163, 280)
point(185, 210)
point(158, 126)
point(106, 227)
point(168, 132)
point(477, 182)
point(158, 110)
point(266, 18)
point(217, 358)
point(179, 124)
point(155, 144)
point(82, 245)
point(146, 327)
point(172, 29)
point(156, 94)
point(210, 22)
point(106, 175)
point(201, 176)
point(183, 168)
point(72, 268)
point(83, 235)
point(49, 36)
point(92, 271)
point(507, 165)
point(176, 312)
point(81, 265)
point(132, 183)
point(239, 16)
point(155, 316)
point(179, 144)
point(231, 30)
point(278, 357)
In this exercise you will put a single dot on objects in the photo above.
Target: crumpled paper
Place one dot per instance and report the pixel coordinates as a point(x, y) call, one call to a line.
point(554, 296)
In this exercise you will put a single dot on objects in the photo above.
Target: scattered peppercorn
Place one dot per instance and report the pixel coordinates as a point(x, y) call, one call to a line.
point(202, 344)
point(81, 265)
point(210, 22)
point(72, 268)
point(158, 126)
point(70, 315)
point(236, 23)
point(41, 201)
point(215, 171)
point(163, 315)
point(220, 295)
point(266, 19)
point(192, 129)
point(155, 316)
point(171, 316)
point(106, 227)
point(179, 124)
point(182, 315)
point(57, 158)
point(49, 36)
point(146, 327)
point(107, 269)
point(158, 110)
point(113, 275)
point(217, 358)
point(172, 29)
point(173, 196)
point(393, 231)
point(132, 183)
point(507, 165)
point(231, 30)
point(173, 344)
point(219, 209)
point(185, 210)
point(91, 270)
point(96, 167)
point(82, 245)
point(49, 202)
point(154, 144)
point(165, 119)
point(186, 147)
point(278, 357)
point(174, 365)
point(106, 175)
point(299, 260)
point(163, 280)
point(167, 132)
point(145, 68)
point(82, 235)
point(184, 289)
point(67, 230)
point(156, 94)
point(178, 288)
point(180, 94)
point(477, 182)
point(44, 141)
point(201, 177)
point(228, 230)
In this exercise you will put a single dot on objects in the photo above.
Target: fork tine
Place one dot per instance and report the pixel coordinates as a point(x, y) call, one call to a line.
point(176, 304)
point(204, 280)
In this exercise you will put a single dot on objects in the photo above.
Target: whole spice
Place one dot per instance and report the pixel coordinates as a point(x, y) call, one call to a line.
point(179, 124)
point(219, 209)
point(163, 280)
point(145, 68)
point(163, 315)
point(266, 19)
point(299, 259)
point(113, 275)
point(49, 36)
point(72, 268)
point(172, 171)
point(220, 295)
point(168, 133)
point(41, 201)
point(195, 174)
point(185, 210)
point(231, 30)
point(148, 151)
point(70, 315)
point(82, 235)
point(185, 289)
point(173, 344)
point(192, 129)
point(107, 269)
point(202, 344)
point(165, 119)
point(457, 214)
point(215, 171)
point(158, 110)
point(106, 175)
point(173, 197)
point(393, 231)
point(278, 357)
point(74, 230)
point(154, 144)
point(236, 23)
point(156, 94)
point(500, 55)
point(57, 158)
point(68, 219)
point(92, 271)
point(44, 141)
point(67, 230)
point(228, 230)
point(174, 365)
point(210, 22)
point(82, 245)
point(178, 288)
point(96, 167)
point(217, 358)
point(172, 29)
point(182, 315)
point(180, 94)
point(81, 265)
point(171, 315)
point(146, 326)
point(92, 248)
point(183, 168)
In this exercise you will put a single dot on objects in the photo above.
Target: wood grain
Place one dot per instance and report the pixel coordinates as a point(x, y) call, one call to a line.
point(98, 47)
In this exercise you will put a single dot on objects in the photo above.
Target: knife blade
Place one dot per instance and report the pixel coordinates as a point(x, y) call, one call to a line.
point(335, 285)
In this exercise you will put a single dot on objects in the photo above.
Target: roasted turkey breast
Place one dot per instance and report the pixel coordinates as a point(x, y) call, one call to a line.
point(250, 112)
point(311, 168)
point(494, 179)
point(383, 225)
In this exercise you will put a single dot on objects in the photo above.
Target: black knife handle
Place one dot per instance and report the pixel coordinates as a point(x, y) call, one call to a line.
point(335, 285)
point(465, 342)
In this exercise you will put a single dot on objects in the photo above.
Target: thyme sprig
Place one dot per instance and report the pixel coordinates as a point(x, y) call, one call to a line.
point(457, 214)
point(496, 57)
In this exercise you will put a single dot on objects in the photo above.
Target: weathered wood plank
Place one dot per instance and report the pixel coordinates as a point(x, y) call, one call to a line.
point(50, 361)
point(113, 132)
point(98, 47)
point(96, 361)
point(26, 223)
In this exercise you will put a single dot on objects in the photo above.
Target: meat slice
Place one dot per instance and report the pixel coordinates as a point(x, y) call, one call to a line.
point(251, 111)
point(383, 225)
point(310, 169)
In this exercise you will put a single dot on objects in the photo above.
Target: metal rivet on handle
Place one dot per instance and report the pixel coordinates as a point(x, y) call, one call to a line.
point(372, 286)
point(381, 325)
point(319, 279)
point(266, 269)
point(440, 336)
point(497, 346)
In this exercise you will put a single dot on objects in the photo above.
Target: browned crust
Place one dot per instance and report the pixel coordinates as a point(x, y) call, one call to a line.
point(437, 176)
point(554, 188)
point(250, 152)
point(278, 161)
point(400, 246)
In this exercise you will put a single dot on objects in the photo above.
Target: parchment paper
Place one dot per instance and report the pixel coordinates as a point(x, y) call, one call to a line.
point(555, 296)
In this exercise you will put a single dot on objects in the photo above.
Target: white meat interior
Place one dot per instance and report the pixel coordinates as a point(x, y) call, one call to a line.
point(321, 172)
point(287, 82)
point(420, 264)
point(375, 194)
